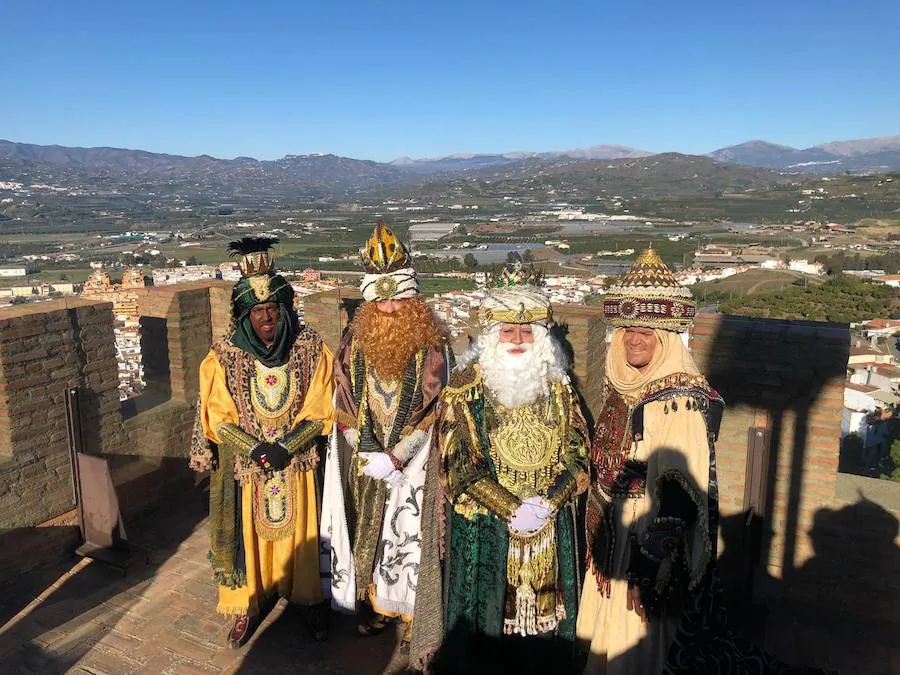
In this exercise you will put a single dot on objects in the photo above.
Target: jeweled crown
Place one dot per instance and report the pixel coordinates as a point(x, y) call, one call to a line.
point(513, 275)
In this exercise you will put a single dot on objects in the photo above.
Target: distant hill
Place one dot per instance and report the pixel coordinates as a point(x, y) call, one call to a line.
point(666, 175)
point(871, 155)
point(292, 172)
point(751, 281)
point(470, 162)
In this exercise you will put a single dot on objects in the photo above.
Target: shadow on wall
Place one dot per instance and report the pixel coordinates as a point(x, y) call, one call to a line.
point(784, 370)
point(855, 557)
point(70, 607)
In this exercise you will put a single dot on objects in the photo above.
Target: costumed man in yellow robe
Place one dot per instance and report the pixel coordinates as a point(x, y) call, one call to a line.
point(381, 479)
point(265, 393)
point(514, 453)
point(651, 599)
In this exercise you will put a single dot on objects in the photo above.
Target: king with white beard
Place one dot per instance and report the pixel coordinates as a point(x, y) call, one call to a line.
point(514, 454)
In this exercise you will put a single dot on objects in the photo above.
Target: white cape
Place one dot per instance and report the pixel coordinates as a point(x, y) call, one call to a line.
point(396, 571)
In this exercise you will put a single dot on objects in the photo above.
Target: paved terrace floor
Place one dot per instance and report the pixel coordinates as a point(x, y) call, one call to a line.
point(160, 618)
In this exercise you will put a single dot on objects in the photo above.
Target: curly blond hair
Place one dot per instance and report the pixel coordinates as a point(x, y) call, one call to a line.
point(389, 341)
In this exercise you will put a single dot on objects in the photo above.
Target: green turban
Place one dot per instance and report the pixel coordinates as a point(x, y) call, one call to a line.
point(254, 290)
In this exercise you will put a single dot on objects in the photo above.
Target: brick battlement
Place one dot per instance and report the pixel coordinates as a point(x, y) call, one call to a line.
point(781, 379)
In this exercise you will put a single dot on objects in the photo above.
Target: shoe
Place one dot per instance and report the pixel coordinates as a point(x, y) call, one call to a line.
point(374, 626)
point(316, 623)
point(406, 640)
point(241, 631)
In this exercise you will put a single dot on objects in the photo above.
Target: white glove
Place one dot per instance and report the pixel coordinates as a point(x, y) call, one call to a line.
point(531, 515)
point(395, 479)
point(538, 503)
point(377, 465)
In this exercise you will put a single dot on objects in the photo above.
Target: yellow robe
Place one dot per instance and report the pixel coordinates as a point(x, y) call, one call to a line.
point(290, 566)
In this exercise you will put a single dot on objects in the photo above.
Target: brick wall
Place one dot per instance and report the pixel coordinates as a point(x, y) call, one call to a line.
point(786, 378)
point(329, 312)
point(583, 332)
point(48, 347)
point(44, 350)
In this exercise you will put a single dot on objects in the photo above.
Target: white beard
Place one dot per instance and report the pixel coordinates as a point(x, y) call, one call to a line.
point(519, 379)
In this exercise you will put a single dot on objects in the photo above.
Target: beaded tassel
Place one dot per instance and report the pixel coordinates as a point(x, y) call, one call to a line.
point(531, 559)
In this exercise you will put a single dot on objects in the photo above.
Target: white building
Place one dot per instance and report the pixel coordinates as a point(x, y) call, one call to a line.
point(806, 267)
point(430, 232)
point(13, 271)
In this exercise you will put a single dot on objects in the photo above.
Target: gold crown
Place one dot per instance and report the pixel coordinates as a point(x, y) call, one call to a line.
point(384, 252)
point(515, 274)
point(255, 254)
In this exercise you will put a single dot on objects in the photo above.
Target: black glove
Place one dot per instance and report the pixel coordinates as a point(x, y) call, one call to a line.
point(663, 539)
point(271, 456)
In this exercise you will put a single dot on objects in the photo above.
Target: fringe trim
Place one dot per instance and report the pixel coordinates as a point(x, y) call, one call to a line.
point(697, 568)
point(232, 610)
point(236, 579)
point(306, 461)
point(469, 391)
point(530, 563)
point(284, 529)
point(543, 624)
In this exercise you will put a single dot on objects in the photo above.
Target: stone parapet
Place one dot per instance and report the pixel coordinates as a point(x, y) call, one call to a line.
point(47, 348)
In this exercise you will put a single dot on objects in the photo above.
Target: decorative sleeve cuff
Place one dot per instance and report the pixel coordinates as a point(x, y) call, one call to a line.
point(562, 490)
point(409, 446)
point(240, 440)
point(494, 497)
point(298, 438)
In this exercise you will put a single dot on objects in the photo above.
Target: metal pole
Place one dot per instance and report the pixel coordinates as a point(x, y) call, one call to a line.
point(76, 443)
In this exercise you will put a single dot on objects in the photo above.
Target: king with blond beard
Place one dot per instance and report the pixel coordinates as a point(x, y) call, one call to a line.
point(381, 480)
point(514, 456)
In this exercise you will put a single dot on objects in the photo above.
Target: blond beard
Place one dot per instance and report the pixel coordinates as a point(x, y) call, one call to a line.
point(389, 341)
point(521, 379)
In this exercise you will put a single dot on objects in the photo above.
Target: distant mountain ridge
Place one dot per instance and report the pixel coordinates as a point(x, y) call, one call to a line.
point(322, 174)
point(869, 155)
point(473, 161)
point(304, 172)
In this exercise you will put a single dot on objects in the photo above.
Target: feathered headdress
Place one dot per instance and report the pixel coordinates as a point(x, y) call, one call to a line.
point(255, 253)
point(260, 282)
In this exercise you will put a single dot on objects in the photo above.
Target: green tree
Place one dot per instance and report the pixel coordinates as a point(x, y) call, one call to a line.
point(470, 261)
point(894, 463)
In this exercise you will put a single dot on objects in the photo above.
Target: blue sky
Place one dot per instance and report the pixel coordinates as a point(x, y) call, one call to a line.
point(385, 80)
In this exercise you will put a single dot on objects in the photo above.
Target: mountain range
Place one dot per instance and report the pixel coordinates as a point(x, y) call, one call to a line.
point(870, 155)
point(317, 175)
